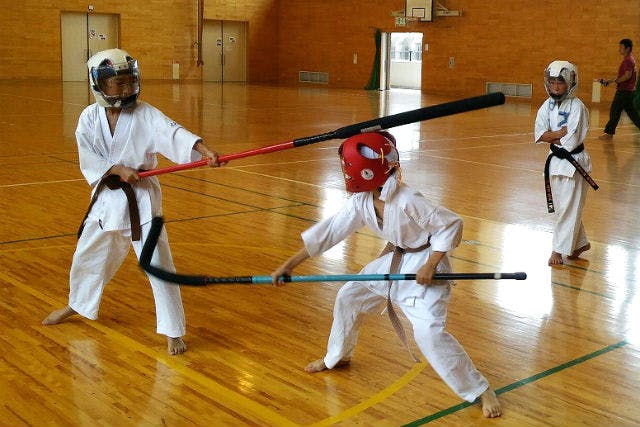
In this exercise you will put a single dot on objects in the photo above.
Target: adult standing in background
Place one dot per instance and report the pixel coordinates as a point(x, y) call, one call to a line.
point(625, 88)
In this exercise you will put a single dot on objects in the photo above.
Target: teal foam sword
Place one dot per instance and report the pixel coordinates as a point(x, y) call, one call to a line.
point(194, 280)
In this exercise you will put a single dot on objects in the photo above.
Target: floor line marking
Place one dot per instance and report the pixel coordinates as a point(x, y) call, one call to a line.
point(518, 384)
point(230, 399)
point(375, 399)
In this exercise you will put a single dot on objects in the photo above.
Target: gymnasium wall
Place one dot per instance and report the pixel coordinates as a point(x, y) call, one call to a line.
point(508, 41)
point(157, 32)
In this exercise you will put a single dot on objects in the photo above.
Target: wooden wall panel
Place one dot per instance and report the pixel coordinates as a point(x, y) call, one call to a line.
point(157, 32)
point(503, 40)
point(508, 41)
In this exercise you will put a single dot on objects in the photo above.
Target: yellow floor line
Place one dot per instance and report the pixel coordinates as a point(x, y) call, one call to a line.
point(228, 398)
point(376, 398)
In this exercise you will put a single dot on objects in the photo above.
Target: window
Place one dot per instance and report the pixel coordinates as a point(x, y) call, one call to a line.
point(406, 47)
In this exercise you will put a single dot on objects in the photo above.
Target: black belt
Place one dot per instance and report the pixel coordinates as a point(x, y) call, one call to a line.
point(113, 182)
point(561, 153)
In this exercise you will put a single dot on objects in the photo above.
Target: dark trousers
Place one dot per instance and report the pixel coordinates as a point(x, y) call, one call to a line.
point(623, 100)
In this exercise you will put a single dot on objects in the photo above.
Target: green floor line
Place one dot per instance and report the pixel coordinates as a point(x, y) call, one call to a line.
point(517, 384)
point(564, 285)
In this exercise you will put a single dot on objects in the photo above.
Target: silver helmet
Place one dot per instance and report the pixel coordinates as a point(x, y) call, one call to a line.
point(109, 63)
point(568, 72)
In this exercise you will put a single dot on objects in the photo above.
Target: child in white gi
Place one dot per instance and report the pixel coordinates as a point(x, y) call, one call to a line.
point(420, 234)
point(562, 122)
point(117, 136)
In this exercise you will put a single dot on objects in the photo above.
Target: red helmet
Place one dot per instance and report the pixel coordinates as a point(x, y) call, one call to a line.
point(367, 160)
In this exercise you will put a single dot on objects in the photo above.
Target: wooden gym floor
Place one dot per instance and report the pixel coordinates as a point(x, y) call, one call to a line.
point(560, 349)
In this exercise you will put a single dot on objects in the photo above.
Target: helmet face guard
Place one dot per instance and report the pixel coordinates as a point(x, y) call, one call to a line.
point(565, 70)
point(368, 159)
point(108, 64)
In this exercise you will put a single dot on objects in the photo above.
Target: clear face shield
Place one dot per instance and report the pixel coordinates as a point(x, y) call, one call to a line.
point(556, 87)
point(118, 84)
point(561, 80)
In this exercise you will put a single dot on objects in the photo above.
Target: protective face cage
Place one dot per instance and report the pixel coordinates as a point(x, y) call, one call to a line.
point(566, 70)
point(110, 63)
point(368, 159)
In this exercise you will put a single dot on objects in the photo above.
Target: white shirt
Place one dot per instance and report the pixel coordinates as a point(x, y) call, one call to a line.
point(573, 114)
point(140, 133)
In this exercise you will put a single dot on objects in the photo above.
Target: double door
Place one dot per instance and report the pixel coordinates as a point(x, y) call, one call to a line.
point(224, 51)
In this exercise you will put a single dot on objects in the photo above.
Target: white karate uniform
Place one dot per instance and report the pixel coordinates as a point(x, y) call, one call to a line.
point(568, 187)
point(410, 221)
point(140, 133)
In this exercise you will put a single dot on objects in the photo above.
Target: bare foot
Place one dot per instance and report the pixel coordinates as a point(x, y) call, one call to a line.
point(605, 137)
point(555, 259)
point(490, 405)
point(176, 346)
point(318, 365)
point(58, 316)
point(315, 366)
point(577, 252)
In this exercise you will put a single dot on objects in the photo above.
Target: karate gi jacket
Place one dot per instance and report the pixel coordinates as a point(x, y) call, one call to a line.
point(573, 114)
point(140, 133)
point(410, 221)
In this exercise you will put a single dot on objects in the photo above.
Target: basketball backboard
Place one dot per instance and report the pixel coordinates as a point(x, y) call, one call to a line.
point(420, 9)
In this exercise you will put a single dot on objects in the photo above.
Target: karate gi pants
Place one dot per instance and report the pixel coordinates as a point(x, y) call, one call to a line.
point(427, 316)
point(99, 254)
point(569, 196)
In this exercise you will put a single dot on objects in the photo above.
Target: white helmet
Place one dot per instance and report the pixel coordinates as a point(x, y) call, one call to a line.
point(109, 63)
point(568, 72)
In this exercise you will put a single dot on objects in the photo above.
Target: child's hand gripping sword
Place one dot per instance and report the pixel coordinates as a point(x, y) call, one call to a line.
point(195, 280)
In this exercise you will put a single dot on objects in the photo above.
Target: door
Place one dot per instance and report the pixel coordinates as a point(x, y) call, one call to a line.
point(73, 27)
point(224, 51)
point(103, 32)
point(212, 51)
point(405, 64)
point(234, 51)
point(82, 35)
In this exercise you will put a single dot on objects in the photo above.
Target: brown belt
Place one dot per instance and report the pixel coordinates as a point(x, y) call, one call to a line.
point(113, 182)
point(395, 263)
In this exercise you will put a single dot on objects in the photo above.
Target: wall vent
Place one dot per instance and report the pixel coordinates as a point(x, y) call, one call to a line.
point(518, 90)
point(313, 77)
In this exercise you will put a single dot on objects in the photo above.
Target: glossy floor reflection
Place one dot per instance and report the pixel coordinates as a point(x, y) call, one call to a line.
point(553, 346)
